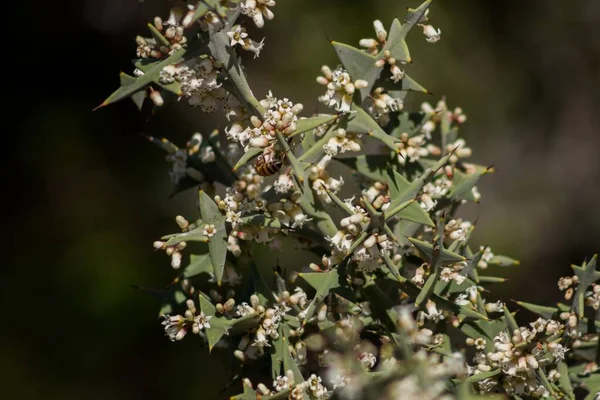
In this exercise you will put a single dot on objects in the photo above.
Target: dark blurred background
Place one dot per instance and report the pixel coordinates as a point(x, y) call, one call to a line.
point(86, 195)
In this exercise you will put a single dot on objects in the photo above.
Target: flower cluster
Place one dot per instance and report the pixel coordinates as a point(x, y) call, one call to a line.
point(198, 80)
point(172, 31)
point(258, 10)
point(176, 326)
point(281, 115)
point(340, 88)
point(519, 356)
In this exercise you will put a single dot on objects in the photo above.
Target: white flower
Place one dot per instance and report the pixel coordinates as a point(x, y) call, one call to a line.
point(559, 352)
point(432, 311)
point(283, 184)
point(175, 327)
point(244, 309)
point(539, 325)
point(447, 274)
point(461, 299)
point(253, 46)
point(472, 292)
point(419, 274)
point(315, 386)
point(339, 381)
point(202, 321)
point(494, 307)
point(480, 344)
point(232, 216)
point(281, 383)
point(553, 326)
point(209, 230)
point(237, 34)
point(431, 34)
point(368, 360)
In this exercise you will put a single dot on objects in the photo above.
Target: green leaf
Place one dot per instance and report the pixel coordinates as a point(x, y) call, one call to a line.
point(393, 268)
point(503, 261)
point(396, 43)
point(217, 246)
point(218, 327)
point(565, 382)
point(545, 382)
point(510, 321)
point(372, 167)
point(247, 156)
point(137, 97)
point(542, 311)
point(337, 201)
point(359, 65)
point(483, 375)
point(380, 304)
point(491, 279)
point(323, 283)
point(587, 276)
point(399, 185)
point(427, 288)
point(261, 288)
point(151, 75)
point(415, 186)
point(426, 249)
point(281, 358)
point(220, 50)
point(198, 264)
point(161, 41)
point(361, 122)
point(413, 16)
point(245, 323)
point(297, 167)
point(313, 207)
point(308, 124)
point(195, 235)
point(313, 152)
point(261, 220)
point(409, 84)
point(463, 184)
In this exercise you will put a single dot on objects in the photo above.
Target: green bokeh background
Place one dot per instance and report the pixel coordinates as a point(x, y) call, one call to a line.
point(86, 195)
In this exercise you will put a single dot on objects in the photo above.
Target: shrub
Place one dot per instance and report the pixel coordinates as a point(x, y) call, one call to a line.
point(379, 296)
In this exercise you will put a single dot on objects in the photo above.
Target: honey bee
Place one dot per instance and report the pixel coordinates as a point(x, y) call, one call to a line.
point(269, 162)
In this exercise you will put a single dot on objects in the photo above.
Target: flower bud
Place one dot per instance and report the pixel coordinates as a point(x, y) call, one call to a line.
point(240, 355)
point(182, 222)
point(380, 30)
point(156, 98)
point(368, 43)
point(361, 84)
point(176, 260)
point(229, 304)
